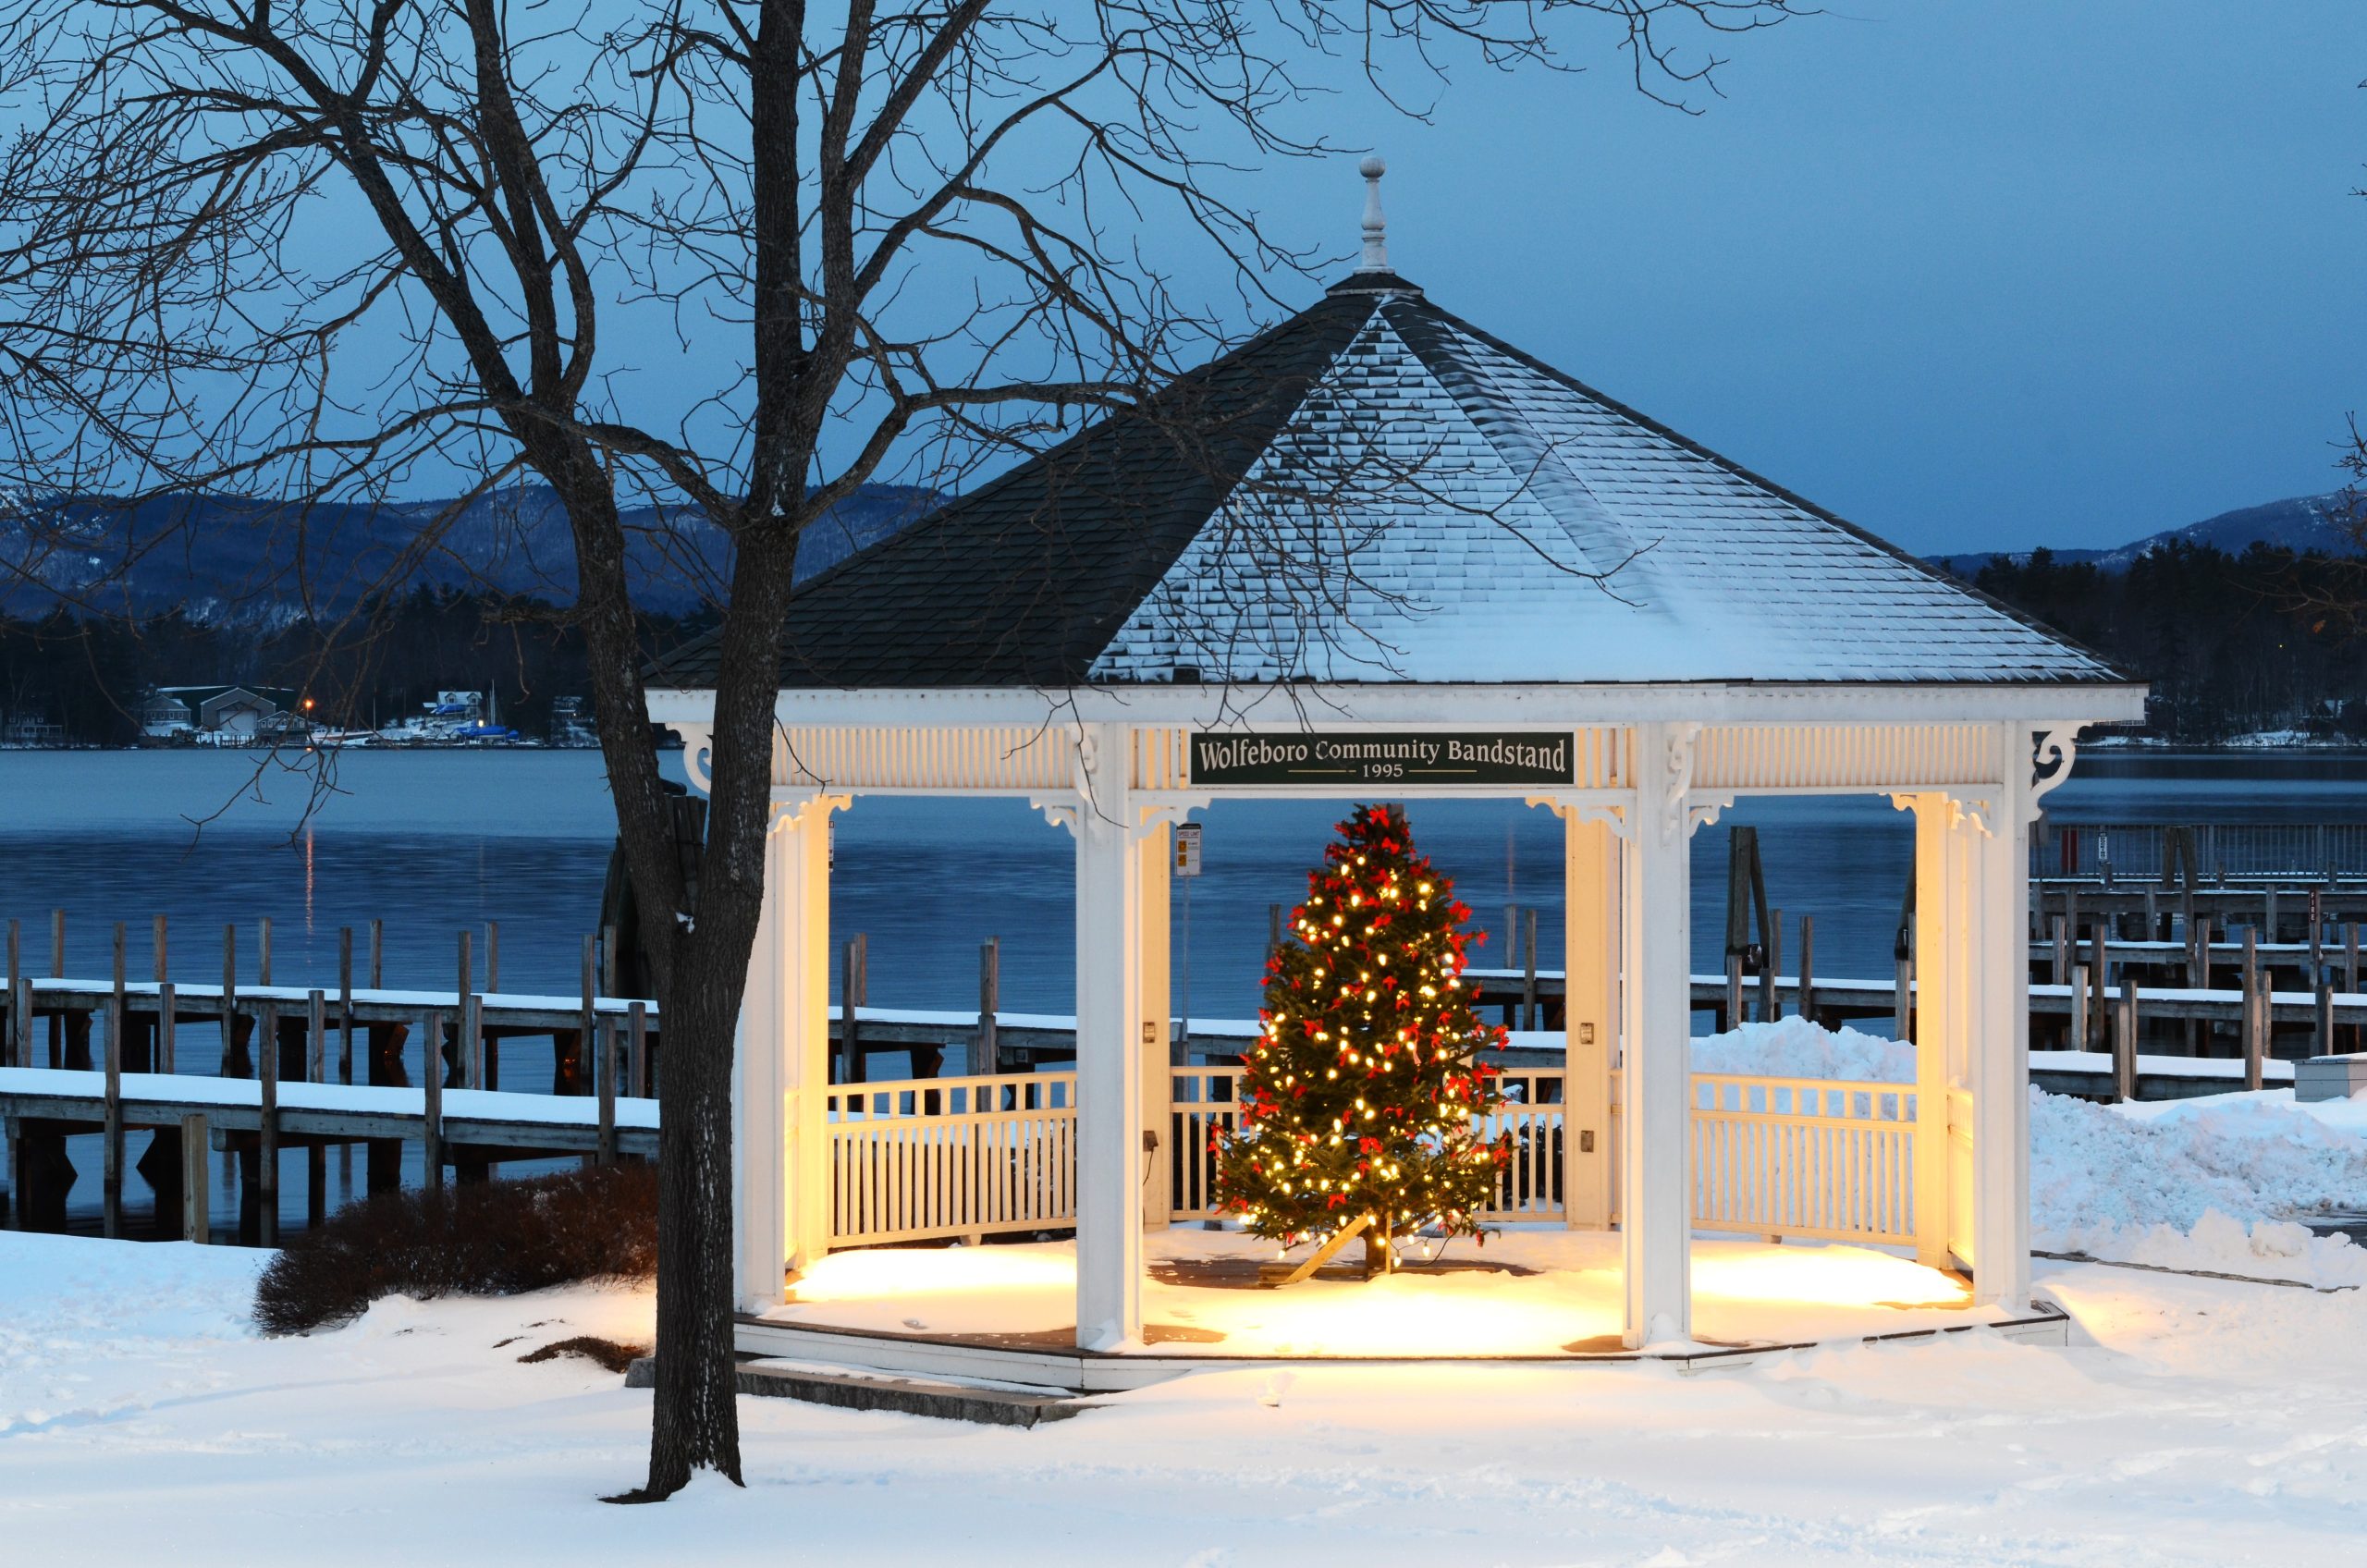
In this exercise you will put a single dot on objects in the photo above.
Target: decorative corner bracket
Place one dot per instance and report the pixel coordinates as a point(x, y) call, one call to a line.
point(1167, 813)
point(1675, 780)
point(1579, 809)
point(794, 807)
point(1701, 810)
point(2055, 749)
point(698, 754)
point(1061, 811)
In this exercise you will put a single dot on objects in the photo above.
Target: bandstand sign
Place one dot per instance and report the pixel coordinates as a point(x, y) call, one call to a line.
point(1337, 761)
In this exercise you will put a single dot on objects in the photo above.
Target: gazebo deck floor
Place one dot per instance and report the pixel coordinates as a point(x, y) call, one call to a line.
point(1537, 1296)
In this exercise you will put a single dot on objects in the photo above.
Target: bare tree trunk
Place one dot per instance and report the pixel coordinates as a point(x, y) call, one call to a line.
point(695, 1423)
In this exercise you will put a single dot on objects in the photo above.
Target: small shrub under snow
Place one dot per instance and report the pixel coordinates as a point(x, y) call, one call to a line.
point(492, 1239)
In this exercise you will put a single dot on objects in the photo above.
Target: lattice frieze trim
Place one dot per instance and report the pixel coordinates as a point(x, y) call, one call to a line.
point(1846, 756)
point(1013, 757)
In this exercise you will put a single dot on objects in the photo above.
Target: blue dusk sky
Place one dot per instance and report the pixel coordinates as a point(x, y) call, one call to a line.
point(1975, 273)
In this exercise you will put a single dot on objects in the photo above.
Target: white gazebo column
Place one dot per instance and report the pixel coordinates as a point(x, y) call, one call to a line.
point(2000, 1064)
point(780, 1061)
point(1655, 1195)
point(1590, 878)
point(1157, 1008)
point(1109, 1045)
point(1935, 987)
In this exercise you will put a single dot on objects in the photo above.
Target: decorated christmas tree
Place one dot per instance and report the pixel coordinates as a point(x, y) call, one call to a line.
point(1358, 1101)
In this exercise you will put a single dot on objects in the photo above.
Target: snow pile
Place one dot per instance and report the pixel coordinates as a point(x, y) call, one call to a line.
point(2214, 1183)
point(1795, 1048)
point(2210, 1184)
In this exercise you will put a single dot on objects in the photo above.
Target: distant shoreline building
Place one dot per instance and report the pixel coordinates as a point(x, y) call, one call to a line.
point(224, 714)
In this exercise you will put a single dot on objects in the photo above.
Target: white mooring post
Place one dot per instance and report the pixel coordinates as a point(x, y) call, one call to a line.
point(1109, 1054)
point(780, 1061)
point(1655, 1185)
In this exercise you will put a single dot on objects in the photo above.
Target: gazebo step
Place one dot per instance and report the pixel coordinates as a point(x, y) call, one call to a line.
point(908, 1396)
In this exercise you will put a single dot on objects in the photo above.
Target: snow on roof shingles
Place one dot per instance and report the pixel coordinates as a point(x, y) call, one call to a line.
point(1517, 481)
point(1376, 491)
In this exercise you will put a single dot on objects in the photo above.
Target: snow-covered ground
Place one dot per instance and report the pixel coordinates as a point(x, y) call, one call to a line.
point(2198, 1421)
point(2192, 1420)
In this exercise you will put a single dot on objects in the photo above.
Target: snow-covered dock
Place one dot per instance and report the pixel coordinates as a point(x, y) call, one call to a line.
point(254, 1118)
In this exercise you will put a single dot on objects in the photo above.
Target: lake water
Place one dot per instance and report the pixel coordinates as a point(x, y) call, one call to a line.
point(436, 842)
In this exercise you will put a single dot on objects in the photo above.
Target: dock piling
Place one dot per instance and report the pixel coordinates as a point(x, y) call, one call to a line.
point(606, 1072)
point(111, 1178)
point(638, 1013)
point(344, 1004)
point(464, 1056)
point(589, 1031)
point(267, 1133)
point(1528, 1011)
point(196, 1217)
point(1902, 1013)
point(2258, 1026)
point(431, 1025)
point(317, 1159)
point(19, 1051)
point(987, 1057)
point(1807, 967)
point(2124, 1055)
point(56, 971)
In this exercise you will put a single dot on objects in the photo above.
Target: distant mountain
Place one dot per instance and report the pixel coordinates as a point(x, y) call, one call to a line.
point(2299, 523)
point(232, 558)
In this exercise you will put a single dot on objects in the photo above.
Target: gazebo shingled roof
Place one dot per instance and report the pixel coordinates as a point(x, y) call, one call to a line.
point(1113, 559)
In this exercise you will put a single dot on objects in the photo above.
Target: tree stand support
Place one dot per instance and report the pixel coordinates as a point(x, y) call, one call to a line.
point(1274, 1276)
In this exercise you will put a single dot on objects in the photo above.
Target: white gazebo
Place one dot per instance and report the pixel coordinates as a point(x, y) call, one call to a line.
point(1376, 553)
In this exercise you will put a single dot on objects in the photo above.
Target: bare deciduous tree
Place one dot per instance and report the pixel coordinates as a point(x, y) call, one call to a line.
point(718, 262)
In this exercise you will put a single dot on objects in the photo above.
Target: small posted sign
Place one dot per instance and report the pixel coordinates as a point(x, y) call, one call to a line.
point(1187, 849)
point(1318, 761)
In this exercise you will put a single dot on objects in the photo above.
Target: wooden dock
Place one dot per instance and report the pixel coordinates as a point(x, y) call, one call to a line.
point(253, 1119)
point(284, 1067)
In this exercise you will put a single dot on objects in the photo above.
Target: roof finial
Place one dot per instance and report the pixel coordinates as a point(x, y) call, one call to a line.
point(1375, 257)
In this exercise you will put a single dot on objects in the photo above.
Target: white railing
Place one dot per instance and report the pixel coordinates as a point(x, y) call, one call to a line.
point(1804, 1157)
point(952, 1157)
point(1205, 1102)
point(1529, 1187)
point(956, 1157)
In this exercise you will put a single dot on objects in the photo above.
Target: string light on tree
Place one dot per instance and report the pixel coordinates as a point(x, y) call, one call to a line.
point(1362, 1096)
